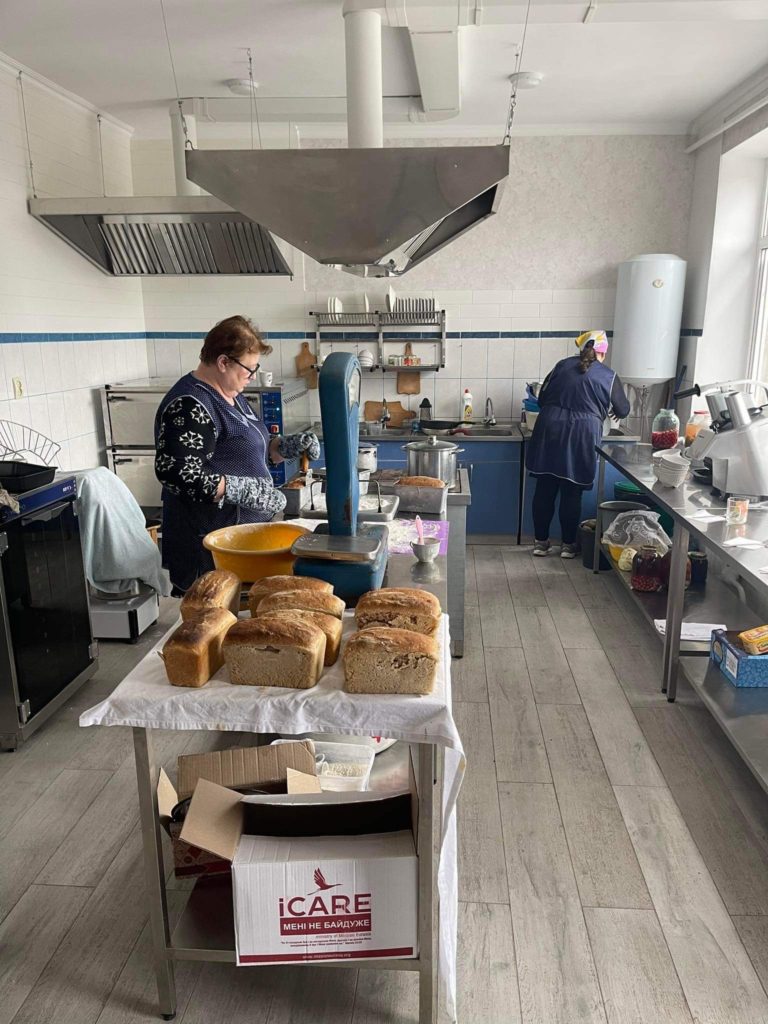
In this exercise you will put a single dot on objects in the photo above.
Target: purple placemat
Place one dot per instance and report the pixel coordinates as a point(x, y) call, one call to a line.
point(403, 531)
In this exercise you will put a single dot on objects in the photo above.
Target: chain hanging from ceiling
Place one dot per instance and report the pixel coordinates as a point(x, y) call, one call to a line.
point(179, 101)
point(26, 132)
point(518, 65)
point(253, 103)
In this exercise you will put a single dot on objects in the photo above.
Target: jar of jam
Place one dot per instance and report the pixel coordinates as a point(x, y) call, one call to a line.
point(646, 571)
point(666, 564)
point(665, 430)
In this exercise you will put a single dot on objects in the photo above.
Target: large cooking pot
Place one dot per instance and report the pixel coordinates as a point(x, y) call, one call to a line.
point(435, 458)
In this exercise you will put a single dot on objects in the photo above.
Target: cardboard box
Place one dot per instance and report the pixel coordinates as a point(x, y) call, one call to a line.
point(325, 876)
point(235, 768)
point(737, 666)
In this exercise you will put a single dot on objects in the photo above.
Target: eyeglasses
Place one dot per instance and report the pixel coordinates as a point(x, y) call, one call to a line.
point(248, 370)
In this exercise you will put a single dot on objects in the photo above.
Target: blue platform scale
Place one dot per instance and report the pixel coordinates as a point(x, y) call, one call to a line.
point(350, 557)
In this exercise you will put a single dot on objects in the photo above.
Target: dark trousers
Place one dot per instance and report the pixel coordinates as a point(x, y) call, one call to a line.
point(544, 498)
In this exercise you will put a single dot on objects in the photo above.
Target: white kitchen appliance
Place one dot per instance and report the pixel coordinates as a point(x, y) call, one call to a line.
point(733, 451)
point(646, 333)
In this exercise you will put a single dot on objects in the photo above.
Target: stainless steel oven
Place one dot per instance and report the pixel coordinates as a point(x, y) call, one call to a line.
point(129, 415)
point(46, 645)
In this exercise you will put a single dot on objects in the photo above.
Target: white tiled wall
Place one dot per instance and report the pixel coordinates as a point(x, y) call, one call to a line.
point(45, 287)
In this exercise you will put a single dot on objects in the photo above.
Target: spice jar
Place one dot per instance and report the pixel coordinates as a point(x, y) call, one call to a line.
point(665, 430)
point(646, 570)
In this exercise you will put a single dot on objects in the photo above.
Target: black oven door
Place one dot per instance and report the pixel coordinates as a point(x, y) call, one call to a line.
point(46, 603)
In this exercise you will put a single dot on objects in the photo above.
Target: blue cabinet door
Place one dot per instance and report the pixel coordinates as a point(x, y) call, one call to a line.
point(495, 483)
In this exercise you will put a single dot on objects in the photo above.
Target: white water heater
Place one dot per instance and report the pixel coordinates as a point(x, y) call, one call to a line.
point(649, 309)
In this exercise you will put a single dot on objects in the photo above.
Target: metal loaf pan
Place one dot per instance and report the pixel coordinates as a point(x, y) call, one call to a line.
point(425, 500)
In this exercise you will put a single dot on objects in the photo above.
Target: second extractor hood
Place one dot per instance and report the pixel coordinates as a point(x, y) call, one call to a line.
point(376, 212)
point(163, 235)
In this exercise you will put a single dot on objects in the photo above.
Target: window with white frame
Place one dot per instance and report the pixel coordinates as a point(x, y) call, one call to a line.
point(760, 329)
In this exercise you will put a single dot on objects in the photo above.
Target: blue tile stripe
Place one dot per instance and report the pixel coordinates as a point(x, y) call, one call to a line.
point(16, 338)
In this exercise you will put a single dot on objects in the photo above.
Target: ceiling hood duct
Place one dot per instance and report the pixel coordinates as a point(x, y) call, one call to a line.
point(372, 211)
point(162, 236)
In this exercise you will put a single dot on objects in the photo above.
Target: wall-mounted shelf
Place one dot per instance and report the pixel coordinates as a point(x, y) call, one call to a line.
point(326, 322)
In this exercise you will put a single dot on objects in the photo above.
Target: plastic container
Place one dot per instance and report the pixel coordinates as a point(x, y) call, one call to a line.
point(466, 405)
point(665, 431)
point(696, 422)
point(254, 550)
point(343, 767)
point(647, 571)
point(610, 509)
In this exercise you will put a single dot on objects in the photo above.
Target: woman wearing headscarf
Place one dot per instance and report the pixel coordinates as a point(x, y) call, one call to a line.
point(575, 398)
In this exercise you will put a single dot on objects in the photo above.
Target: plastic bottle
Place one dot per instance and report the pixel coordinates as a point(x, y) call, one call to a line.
point(466, 407)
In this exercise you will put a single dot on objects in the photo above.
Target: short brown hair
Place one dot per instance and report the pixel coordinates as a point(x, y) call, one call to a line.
point(234, 337)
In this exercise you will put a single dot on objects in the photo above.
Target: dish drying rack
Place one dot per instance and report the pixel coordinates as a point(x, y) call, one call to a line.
point(18, 442)
point(407, 313)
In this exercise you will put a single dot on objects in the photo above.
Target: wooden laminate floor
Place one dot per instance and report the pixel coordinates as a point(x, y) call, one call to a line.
point(614, 849)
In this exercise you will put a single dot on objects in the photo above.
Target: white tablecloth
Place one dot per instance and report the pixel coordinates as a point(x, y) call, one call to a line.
point(145, 699)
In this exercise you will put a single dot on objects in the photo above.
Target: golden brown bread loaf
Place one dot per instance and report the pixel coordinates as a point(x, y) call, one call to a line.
point(420, 481)
point(387, 660)
point(329, 624)
point(217, 589)
point(401, 608)
point(301, 600)
point(194, 651)
point(272, 584)
point(273, 651)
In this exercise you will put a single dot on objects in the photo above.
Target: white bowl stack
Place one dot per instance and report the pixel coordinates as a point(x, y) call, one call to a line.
point(671, 468)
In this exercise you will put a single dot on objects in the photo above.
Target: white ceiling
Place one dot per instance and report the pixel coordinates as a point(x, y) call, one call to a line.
point(638, 74)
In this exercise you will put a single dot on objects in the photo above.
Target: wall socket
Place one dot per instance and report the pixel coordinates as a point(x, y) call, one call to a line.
point(18, 387)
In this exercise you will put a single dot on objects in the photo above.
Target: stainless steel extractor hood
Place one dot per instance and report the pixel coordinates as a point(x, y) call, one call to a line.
point(164, 235)
point(375, 212)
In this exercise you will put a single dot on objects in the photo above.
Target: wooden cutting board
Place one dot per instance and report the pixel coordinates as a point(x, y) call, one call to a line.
point(408, 382)
point(372, 411)
point(305, 365)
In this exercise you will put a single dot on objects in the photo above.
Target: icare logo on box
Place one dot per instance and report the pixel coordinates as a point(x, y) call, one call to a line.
point(323, 910)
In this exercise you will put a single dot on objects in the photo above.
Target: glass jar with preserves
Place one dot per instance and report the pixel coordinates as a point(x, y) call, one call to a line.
point(698, 420)
point(665, 430)
point(666, 564)
point(646, 571)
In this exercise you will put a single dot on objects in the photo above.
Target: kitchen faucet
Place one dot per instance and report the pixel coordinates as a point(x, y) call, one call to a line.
point(489, 419)
point(386, 415)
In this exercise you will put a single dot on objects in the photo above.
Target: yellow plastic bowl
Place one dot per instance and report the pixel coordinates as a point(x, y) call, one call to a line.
point(253, 550)
point(615, 550)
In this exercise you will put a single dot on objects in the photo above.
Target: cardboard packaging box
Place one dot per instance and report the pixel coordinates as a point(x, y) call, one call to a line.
point(236, 768)
point(737, 666)
point(319, 876)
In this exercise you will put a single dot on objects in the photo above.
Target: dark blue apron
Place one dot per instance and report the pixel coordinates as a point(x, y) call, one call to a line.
point(241, 450)
point(573, 408)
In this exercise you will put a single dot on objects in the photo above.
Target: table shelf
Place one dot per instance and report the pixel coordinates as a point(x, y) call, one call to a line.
point(715, 603)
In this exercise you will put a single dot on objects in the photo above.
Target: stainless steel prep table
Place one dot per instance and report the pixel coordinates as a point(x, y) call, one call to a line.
point(430, 746)
point(741, 712)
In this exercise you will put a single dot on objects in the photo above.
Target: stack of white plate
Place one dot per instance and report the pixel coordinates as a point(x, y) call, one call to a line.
point(671, 468)
point(366, 358)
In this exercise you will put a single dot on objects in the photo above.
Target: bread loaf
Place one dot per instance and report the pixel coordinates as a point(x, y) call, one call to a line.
point(217, 589)
point(272, 584)
point(420, 481)
point(301, 600)
point(400, 607)
point(194, 651)
point(329, 624)
point(273, 651)
point(386, 660)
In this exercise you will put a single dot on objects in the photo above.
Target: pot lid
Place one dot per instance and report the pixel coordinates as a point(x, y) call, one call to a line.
point(432, 444)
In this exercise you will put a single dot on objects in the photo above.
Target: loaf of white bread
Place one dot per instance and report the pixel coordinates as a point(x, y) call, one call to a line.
point(301, 600)
point(216, 589)
point(329, 624)
point(420, 481)
point(274, 584)
point(271, 650)
point(401, 608)
point(193, 652)
point(387, 660)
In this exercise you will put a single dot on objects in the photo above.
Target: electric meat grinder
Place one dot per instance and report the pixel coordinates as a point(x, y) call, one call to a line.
point(350, 557)
point(735, 447)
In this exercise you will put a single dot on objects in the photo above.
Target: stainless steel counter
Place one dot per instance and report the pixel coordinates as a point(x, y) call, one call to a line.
point(741, 712)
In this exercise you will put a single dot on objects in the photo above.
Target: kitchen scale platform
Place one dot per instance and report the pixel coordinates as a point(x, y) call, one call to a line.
point(353, 565)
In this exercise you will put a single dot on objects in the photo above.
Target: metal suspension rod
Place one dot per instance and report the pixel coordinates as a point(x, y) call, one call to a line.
point(26, 132)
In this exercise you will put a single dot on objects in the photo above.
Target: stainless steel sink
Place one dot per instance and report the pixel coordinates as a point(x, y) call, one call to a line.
point(487, 432)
